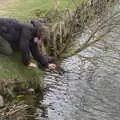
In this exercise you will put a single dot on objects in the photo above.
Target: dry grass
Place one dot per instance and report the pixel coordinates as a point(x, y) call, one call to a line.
point(65, 24)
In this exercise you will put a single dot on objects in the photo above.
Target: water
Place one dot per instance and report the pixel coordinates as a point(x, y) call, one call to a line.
point(89, 89)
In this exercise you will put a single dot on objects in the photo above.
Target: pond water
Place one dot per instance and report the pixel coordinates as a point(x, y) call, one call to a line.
point(89, 88)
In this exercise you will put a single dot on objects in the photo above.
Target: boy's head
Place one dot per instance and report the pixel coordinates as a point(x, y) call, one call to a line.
point(42, 32)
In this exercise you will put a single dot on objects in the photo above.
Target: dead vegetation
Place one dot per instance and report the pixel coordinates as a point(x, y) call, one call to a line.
point(64, 25)
point(13, 111)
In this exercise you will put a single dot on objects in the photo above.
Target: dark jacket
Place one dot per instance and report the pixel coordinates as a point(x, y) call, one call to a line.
point(21, 37)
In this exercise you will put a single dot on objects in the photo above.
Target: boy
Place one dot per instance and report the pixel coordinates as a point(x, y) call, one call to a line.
point(25, 38)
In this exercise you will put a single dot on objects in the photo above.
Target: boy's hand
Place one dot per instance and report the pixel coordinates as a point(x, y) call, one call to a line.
point(52, 66)
point(32, 65)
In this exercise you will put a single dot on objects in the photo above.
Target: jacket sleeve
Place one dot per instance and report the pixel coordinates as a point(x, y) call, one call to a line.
point(24, 45)
point(39, 57)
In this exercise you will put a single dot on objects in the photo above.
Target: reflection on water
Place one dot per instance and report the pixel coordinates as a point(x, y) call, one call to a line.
point(90, 87)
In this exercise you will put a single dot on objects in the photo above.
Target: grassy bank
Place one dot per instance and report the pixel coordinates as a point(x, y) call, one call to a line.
point(11, 66)
point(26, 9)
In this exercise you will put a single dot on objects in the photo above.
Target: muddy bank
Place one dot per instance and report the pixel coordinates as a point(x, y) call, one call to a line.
point(18, 97)
point(16, 80)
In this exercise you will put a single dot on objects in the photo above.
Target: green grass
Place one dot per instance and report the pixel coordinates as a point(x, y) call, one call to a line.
point(25, 9)
point(12, 68)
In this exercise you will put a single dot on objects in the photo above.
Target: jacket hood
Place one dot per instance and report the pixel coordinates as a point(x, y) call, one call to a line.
point(37, 25)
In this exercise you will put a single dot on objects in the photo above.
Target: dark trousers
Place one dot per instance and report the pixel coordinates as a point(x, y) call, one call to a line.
point(5, 47)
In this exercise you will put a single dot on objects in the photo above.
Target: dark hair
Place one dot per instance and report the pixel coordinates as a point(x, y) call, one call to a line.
point(37, 25)
point(40, 27)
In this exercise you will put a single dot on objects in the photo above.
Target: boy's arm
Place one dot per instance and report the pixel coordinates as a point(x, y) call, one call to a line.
point(38, 56)
point(24, 45)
